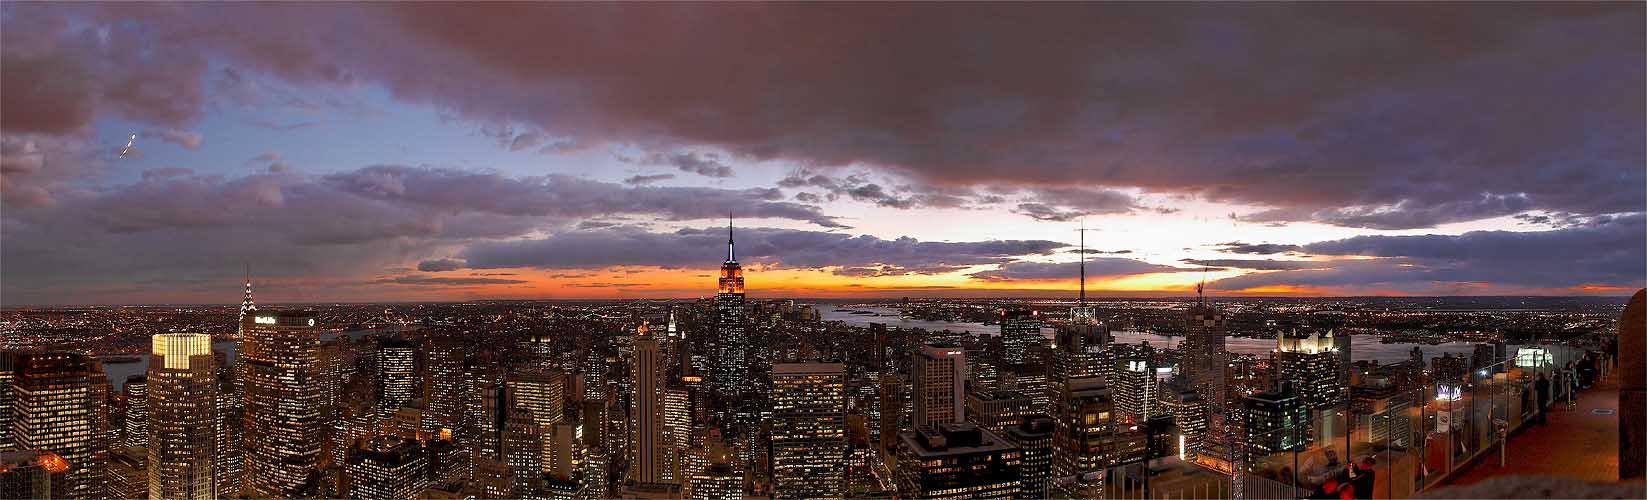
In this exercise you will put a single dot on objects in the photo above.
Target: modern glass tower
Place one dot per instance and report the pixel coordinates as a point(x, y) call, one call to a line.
point(283, 428)
point(61, 406)
point(137, 411)
point(809, 430)
point(182, 416)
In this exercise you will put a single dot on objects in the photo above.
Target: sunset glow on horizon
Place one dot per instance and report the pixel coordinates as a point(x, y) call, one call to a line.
point(437, 157)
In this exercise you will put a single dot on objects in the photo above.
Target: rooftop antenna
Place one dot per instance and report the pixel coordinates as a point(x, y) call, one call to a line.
point(730, 255)
point(1083, 299)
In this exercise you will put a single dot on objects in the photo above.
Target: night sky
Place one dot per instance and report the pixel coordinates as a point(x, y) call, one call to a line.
point(363, 152)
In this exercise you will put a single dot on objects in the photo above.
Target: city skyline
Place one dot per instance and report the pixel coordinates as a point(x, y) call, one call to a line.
point(513, 153)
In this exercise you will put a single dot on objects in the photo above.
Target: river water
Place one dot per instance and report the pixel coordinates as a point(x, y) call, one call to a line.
point(1362, 347)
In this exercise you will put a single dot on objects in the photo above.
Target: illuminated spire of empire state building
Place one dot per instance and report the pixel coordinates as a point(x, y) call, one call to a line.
point(732, 344)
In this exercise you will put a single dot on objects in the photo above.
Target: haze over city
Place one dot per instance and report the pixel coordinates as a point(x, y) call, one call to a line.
point(408, 152)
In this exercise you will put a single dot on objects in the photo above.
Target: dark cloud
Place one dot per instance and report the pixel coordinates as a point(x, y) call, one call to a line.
point(704, 164)
point(859, 187)
point(779, 247)
point(564, 196)
point(438, 265)
point(1394, 116)
point(647, 179)
point(182, 138)
point(1257, 248)
point(281, 127)
point(1099, 267)
point(268, 157)
point(173, 226)
point(1067, 204)
point(1605, 253)
point(1258, 264)
point(1094, 251)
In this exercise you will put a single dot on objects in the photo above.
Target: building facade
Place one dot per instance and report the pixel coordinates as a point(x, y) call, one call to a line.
point(809, 430)
point(182, 417)
point(60, 405)
point(282, 427)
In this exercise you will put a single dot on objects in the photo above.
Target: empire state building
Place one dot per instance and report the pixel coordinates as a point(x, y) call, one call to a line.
point(732, 343)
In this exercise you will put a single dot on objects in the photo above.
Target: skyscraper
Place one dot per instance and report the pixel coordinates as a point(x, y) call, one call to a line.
point(1133, 382)
point(1085, 426)
point(1034, 438)
point(729, 368)
point(649, 445)
point(542, 393)
point(182, 416)
point(1312, 363)
point(1189, 414)
point(8, 373)
point(447, 388)
point(1275, 421)
point(247, 306)
point(61, 406)
point(137, 410)
point(1020, 330)
point(396, 375)
point(939, 380)
point(1204, 354)
point(808, 430)
point(282, 427)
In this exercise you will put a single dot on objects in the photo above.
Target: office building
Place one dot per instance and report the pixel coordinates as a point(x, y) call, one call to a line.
point(1188, 414)
point(137, 411)
point(1081, 439)
point(938, 377)
point(1020, 330)
point(128, 473)
point(997, 410)
point(182, 416)
point(8, 374)
point(388, 468)
point(282, 427)
point(1204, 351)
point(956, 460)
point(650, 448)
point(731, 341)
point(1034, 438)
point(60, 405)
point(446, 384)
point(523, 449)
point(1312, 363)
point(809, 430)
point(396, 375)
point(1276, 421)
point(28, 474)
point(1134, 385)
point(718, 481)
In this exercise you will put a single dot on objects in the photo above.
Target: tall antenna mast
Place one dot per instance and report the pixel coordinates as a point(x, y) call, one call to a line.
point(1083, 299)
point(730, 256)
